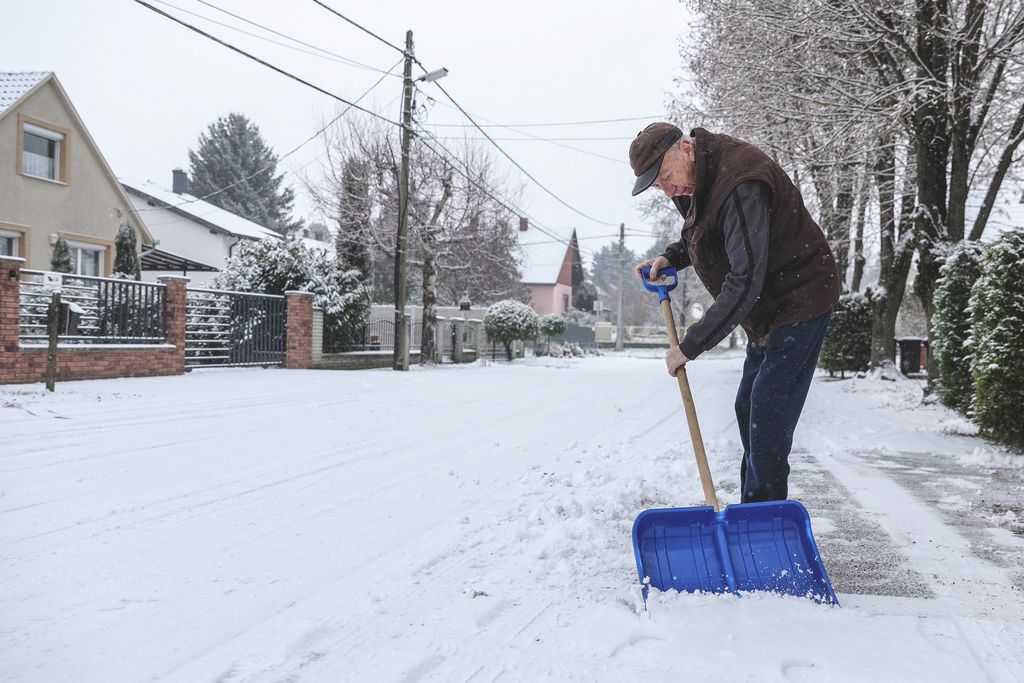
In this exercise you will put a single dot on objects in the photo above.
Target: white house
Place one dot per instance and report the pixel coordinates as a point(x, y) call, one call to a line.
point(193, 237)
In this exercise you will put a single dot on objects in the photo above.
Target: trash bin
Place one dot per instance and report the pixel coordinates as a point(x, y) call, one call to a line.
point(913, 354)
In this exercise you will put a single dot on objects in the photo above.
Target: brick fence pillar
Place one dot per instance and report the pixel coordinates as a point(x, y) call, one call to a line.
point(176, 287)
point(10, 293)
point(299, 348)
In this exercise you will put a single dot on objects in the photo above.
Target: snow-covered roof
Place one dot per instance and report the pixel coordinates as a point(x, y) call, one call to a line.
point(200, 211)
point(542, 255)
point(15, 84)
point(314, 244)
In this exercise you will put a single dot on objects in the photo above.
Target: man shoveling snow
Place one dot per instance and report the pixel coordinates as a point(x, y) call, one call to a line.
point(756, 249)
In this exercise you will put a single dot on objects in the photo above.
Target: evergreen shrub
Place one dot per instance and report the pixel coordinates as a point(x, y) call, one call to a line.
point(997, 314)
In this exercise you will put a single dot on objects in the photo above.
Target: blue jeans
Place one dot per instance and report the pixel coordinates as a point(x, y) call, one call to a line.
point(771, 396)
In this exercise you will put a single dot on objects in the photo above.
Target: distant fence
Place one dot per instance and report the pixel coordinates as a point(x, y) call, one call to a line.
point(96, 310)
point(576, 334)
point(378, 335)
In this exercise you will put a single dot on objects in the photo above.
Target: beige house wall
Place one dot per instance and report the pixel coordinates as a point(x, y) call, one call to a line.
point(87, 208)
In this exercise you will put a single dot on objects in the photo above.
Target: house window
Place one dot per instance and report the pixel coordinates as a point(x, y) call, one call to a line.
point(87, 259)
point(10, 243)
point(41, 152)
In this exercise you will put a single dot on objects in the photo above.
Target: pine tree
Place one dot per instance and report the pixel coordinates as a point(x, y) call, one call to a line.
point(60, 262)
point(352, 243)
point(232, 156)
point(126, 259)
point(952, 331)
point(847, 343)
point(998, 340)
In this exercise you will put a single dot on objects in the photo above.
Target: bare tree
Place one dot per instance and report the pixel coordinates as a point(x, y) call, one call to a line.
point(460, 237)
point(843, 89)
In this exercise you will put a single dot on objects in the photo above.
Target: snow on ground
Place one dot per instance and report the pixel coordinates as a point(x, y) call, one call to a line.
point(473, 523)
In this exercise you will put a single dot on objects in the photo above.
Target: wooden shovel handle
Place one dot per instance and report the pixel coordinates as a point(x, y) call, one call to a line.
point(691, 413)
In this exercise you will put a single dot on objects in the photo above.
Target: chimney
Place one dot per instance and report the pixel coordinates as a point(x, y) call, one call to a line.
point(524, 224)
point(179, 182)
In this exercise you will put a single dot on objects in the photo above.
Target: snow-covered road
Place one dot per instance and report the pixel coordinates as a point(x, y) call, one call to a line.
point(472, 523)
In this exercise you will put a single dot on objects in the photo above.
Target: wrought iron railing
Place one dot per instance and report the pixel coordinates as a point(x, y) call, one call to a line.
point(233, 328)
point(378, 335)
point(112, 310)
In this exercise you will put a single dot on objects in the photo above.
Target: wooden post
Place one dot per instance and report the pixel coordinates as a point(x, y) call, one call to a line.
point(52, 332)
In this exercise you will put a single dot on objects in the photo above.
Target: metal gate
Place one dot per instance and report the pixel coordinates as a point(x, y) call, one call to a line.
point(233, 329)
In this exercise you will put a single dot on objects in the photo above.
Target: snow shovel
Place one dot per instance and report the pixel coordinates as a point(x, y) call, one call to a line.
point(746, 547)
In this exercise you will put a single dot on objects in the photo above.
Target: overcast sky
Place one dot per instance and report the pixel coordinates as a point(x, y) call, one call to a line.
point(146, 87)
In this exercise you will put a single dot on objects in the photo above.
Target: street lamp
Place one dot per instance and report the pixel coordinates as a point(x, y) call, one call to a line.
point(435, 75)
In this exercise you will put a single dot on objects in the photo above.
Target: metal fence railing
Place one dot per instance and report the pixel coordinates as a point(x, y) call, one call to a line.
point(377, 335)
point(97, 310)
point(233, 329)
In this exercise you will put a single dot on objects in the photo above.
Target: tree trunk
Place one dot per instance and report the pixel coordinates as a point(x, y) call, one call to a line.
point(1016, 137)
point(932, 143)
point(429, 353)
point(962, 135)
point(858, 239)
point(895, 258)
point(839, 234)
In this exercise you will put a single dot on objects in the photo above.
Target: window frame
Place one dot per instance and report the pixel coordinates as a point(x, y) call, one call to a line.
point(88, 242)
point(77, 249)
point(62, 165)
point(19, 233)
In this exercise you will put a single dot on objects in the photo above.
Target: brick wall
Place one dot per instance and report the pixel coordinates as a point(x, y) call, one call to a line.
point(299, 349)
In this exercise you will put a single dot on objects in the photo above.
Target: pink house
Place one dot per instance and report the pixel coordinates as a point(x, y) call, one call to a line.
point(551, 266)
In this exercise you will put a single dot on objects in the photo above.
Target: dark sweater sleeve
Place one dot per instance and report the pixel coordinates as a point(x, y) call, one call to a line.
point(744, 223)
point(677, 255)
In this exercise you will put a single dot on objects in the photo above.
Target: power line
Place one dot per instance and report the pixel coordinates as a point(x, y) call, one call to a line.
point(360, 27)
point(547, 125)
point(539, 139)
point(305, 142)
point(532, 138)
point(325, 52)
point(329, 56)
point(354, 105)
point(468, 117)
point(552, 141)
point(516, 163)
point(265, 63)
point(501, 202)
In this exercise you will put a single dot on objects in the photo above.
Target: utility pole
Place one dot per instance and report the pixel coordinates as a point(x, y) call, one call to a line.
point(620, 328)
point(400, 359)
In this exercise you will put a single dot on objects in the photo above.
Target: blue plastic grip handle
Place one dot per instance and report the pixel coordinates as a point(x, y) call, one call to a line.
point(661, 289)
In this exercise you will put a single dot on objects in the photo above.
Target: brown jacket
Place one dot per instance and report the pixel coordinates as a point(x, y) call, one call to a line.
point(800, 278)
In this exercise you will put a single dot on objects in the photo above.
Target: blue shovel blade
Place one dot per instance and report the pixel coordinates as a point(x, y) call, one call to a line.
point(746, 547)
